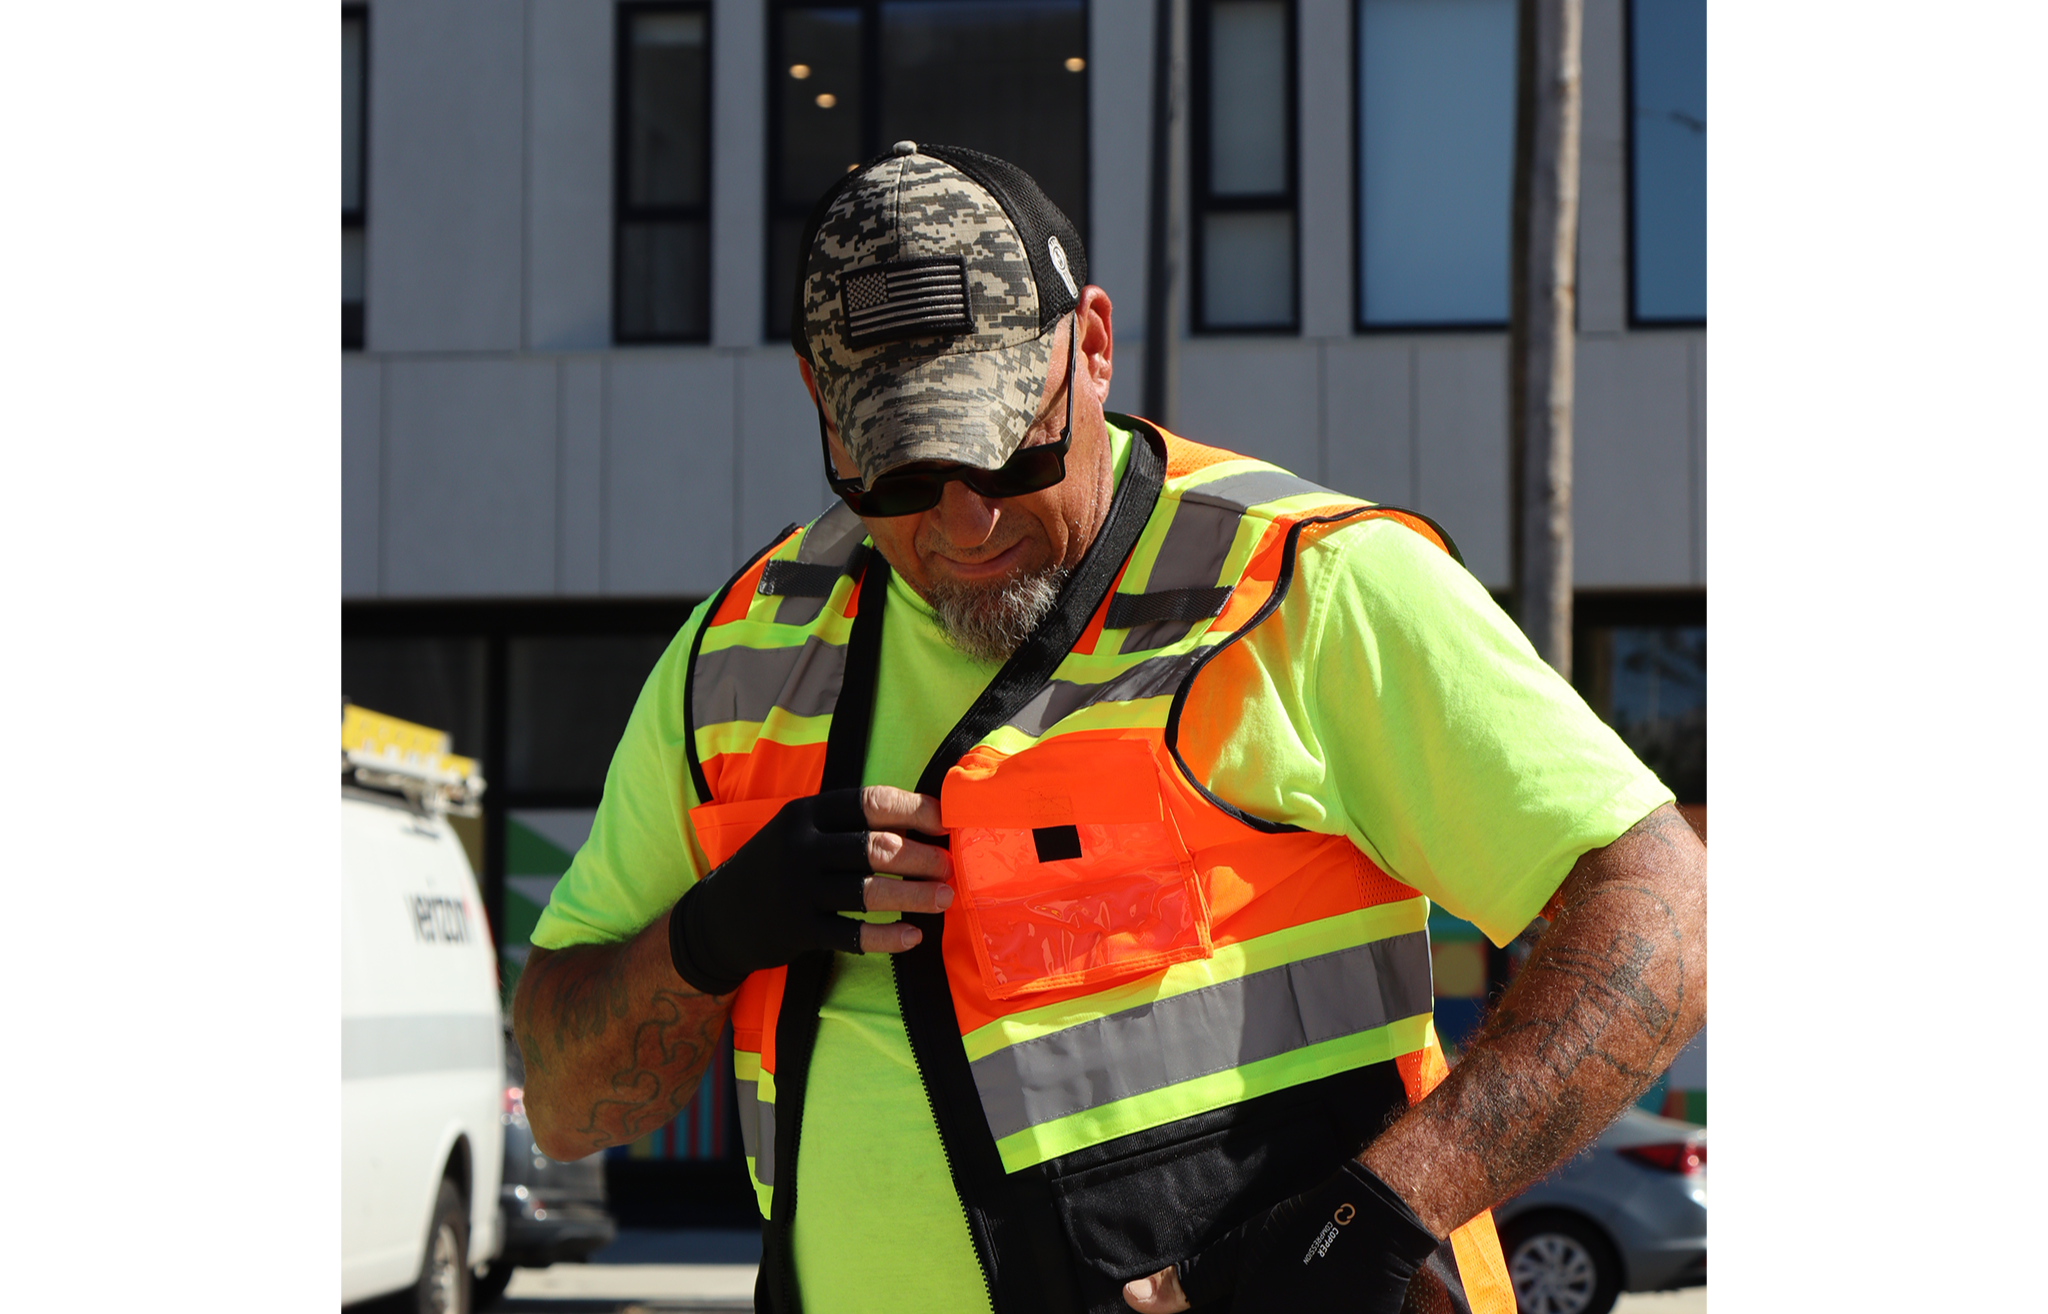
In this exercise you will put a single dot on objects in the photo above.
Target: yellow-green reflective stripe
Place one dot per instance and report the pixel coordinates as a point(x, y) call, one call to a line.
point(1229, 1025)
point(780, 727)
point(833, 627)
point(1155, 1108)
point(1231, 961)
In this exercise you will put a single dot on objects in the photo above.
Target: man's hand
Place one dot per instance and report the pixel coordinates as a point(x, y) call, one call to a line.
point(781, 895)
point(1350, 1243)
point(1610, 994)
point(615, 1041)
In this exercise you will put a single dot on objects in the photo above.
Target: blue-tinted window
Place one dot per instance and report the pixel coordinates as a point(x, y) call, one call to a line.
point(1243, 165)
point(1668, 160)
point(662, 256)
point(1436, 160)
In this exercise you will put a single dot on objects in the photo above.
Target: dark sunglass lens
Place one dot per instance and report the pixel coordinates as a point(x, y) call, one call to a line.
point(901, 496)
point(1026, 472)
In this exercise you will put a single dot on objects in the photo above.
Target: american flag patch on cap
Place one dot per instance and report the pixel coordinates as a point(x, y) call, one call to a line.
point(906, 299)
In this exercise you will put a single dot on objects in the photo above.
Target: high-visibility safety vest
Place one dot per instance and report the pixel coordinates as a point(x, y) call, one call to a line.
point(1148, 1014)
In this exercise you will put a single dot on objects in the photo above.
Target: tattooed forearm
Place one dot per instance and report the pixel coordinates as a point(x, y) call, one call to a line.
point(614, 1042)
point(1613, 989)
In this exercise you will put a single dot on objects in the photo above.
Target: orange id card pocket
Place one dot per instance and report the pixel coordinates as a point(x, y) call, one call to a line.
point(1069, 869)
point(722, 827)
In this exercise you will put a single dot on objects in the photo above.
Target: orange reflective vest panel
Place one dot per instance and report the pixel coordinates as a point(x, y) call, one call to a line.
point(1142, 978)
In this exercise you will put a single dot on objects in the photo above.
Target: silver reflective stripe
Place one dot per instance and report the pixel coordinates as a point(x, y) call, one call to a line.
point(1060, 699)
point(1192, 555)
point(408, 1044)
point(1254, 487)
point(831, 540)
point(745, 684)
point(1214, 1029)
point(757, 1130)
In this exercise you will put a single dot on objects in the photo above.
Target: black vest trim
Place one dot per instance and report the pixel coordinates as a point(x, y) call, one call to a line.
point(803, 991)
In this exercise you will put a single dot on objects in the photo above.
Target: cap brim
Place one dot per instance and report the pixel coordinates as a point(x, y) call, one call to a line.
point(972, 408)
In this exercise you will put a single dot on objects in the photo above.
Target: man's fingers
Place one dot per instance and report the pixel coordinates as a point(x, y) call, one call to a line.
point(899, 856)
point(1158, 1294)
point(886, 894)
point(889, 808)
point(892, 938)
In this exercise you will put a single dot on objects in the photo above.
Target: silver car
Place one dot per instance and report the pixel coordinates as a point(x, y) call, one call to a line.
point(1630, 1214)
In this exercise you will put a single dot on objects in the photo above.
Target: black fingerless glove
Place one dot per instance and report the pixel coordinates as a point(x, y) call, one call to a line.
point(778, 897)
point(1350, 1244)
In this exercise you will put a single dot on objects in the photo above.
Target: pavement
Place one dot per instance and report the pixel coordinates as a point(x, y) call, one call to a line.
point(712, 1272)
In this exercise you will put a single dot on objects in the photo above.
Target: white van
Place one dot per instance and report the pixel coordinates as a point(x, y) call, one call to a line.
point(422, 1046)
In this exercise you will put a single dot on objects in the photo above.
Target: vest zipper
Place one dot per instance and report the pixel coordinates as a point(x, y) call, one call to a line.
point(975, 1238)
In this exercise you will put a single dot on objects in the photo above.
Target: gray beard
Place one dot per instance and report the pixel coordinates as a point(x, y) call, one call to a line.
point(988, 624)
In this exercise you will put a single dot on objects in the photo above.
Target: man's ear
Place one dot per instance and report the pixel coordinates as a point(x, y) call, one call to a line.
point(1098, 339)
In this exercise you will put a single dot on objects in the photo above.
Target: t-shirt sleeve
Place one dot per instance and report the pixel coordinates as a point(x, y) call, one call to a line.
point(1402, 708)
point(641, 854)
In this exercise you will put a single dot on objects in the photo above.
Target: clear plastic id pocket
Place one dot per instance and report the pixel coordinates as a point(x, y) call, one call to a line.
point(1069, 870)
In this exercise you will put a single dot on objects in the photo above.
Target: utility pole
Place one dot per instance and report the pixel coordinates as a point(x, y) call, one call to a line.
point(1544, 304)
point(1162, 291)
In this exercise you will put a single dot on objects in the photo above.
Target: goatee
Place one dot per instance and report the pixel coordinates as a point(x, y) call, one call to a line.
point(989, 623)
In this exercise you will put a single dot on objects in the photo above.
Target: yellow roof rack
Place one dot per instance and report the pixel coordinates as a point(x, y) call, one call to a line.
point(383, 752)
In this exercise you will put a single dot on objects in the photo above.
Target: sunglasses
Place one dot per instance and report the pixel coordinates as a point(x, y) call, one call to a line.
point(1028, 470)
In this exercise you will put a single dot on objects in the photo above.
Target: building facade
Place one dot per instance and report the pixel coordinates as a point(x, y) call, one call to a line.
point(569, 411)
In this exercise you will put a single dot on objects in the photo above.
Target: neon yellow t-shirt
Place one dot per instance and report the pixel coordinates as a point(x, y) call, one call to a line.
point(1410, 715)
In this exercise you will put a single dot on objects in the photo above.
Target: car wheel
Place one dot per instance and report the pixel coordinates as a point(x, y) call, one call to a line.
point(443, 1286)
point(1560, 1264)
point(491, 1285)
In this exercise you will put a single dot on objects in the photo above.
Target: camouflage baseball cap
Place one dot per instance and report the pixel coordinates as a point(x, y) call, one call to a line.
point(929, 282)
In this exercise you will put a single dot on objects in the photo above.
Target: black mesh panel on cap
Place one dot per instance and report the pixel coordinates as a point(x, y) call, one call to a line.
point(1036, 217)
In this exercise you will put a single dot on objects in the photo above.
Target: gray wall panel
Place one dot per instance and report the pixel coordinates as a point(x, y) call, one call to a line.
point(1603, 173)
point(739, 144)
point(668, 526)
point(1696, 415)
point(1631, 462)
point(470, 484)
point(579, 543)
point(1462, 446)
point(1326, 231)
point(445, 231)
point(569, 176)
point(782, 475)
point(362, 435)
point(1369, 419)
point(1258, 396)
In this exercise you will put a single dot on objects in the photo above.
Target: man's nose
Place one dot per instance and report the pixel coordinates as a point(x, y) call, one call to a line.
point(965, 517)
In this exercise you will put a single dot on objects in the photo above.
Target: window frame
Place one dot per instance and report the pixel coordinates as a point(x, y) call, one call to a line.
point(1359, 324)
point(1202, 202)
point(775, 210)
point(354, 220)
point(1628, 64)
point(624, 212)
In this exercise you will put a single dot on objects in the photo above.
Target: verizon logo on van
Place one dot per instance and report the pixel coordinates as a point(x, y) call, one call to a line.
point(437, 919)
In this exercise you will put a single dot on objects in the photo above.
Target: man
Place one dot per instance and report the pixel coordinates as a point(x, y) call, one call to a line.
point(1053, 820)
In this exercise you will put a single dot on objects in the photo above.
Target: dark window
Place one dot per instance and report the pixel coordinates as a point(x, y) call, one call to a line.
point(1641, 664)
point(1002, 76)
point(354, 129)
point(569, 698)
point(1243, 165)
point(1436, 162)
point(1667, 47)
point(662, 257)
